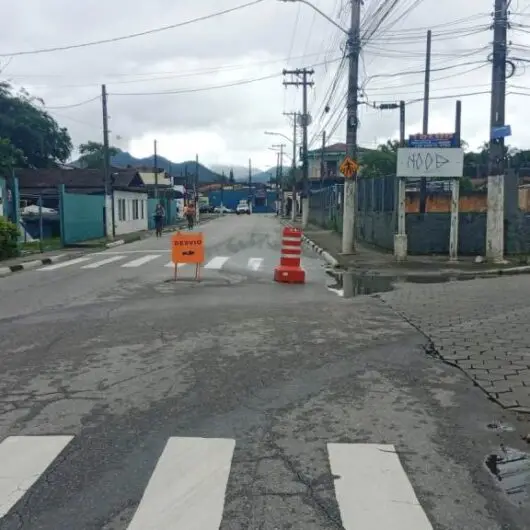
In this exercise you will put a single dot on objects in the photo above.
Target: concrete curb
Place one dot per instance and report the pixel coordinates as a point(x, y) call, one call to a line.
point(115, 243)
point(34, 264)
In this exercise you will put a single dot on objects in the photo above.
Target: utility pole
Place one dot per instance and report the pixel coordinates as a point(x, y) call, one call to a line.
point(155, 161)
point(322, 162)
point(294, 115)
point(426, 92)
point(350, 185)
point(106, 164)
point(301, 78)
point(196, 189)
point(322, 174)
point(400, 236)
point(249, 200)
point(495, 216)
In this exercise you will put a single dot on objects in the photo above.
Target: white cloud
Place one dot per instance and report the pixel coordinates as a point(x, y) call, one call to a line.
point(227, 125)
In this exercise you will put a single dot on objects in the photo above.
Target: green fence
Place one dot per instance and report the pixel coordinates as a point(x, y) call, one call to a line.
point(82, 217)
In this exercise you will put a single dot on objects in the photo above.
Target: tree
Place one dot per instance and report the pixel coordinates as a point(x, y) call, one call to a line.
point(231, 178)
point(93, 155)
point(10, 157)
point(381, 161)
point(30, 129)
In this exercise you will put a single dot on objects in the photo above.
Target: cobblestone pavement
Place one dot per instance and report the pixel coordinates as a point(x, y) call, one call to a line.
point(481, 326)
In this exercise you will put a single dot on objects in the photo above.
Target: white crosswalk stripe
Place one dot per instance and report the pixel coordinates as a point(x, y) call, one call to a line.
point(187, 488)
point(254, 264)
point(216, 263)
point(141, 261)
point(106, 261)
point(23, 460)
point(188, 483)
point(373, 490)
point(63, 264)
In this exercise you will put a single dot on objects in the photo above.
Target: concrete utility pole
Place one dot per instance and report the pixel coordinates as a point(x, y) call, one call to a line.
point(302, 79)
point(196, 189)
point(495, 219)
point(249, 200)
point(322, 162)
point(426, 92)
point(455, 191)
point(294, 115)
point(349, 199)
point(322, 175)
point(400, 236)
point(106, 166)
point(155, 162)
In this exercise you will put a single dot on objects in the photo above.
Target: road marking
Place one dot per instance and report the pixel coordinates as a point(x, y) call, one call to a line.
point(102, 262)
point(216, 263)
point(24, 459)
point(63, 264)
point(255, 263)
point(171, 265)
point(187, 488)
point(141, 261)
point(373, 490)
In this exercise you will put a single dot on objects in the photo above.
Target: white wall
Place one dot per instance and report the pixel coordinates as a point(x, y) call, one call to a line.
point(130, 212)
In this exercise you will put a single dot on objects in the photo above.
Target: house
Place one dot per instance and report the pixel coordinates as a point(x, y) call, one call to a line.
point(126, 186)
point(333, 156)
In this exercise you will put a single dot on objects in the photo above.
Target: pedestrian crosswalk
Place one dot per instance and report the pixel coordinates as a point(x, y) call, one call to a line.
point(188, 483)
point(128, 261)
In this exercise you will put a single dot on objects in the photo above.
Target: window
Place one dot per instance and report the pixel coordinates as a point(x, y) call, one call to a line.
point(121, 210)
point(142, 209)
point(135, 209)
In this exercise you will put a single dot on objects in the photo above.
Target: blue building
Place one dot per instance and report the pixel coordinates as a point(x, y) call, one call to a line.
point(262, 200)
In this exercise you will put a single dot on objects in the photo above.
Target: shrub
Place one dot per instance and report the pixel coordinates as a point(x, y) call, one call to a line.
point(8, 239)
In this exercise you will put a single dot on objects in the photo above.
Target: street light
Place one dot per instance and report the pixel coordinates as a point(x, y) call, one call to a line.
point(354, 46)
point(277, 133)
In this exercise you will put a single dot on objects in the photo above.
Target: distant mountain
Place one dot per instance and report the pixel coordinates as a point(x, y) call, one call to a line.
point(266, 176)
point(124, 159)
point(240, 172)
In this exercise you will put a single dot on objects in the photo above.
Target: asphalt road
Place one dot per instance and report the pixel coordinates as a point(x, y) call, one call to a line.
point(128, 400)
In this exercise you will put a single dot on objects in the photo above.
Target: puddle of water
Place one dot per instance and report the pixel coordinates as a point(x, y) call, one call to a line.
point(499, 427)
point(349, 285)
point(511, 468)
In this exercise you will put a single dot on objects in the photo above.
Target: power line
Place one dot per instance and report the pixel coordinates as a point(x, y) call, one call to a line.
point(131, 35)
point(73, 104)
point(162, 77)
point(215, 87)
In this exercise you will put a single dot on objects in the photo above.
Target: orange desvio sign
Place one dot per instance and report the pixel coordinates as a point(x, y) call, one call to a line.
point(187, 247)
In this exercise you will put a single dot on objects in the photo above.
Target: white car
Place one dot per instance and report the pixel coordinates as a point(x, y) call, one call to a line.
point(243, 207)
point(222, 209)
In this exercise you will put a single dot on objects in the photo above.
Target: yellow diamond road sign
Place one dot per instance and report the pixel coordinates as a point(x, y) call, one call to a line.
point(348, 167)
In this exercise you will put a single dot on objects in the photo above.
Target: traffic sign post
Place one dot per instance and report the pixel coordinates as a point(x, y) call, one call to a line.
point(349, 168)
point(432, 162)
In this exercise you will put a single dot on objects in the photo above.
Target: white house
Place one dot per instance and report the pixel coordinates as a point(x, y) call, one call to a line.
point(130, 211)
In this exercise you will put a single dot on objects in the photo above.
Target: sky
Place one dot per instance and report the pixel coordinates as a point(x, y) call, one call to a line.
point(213, 87)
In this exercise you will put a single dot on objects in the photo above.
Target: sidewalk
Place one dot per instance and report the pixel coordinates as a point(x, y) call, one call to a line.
point(372, 261)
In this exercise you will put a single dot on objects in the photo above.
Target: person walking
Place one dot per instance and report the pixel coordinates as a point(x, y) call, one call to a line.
point(189, 213)
point(160, 214)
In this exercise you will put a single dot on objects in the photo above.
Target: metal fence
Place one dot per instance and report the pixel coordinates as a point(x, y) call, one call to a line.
point(325, 207)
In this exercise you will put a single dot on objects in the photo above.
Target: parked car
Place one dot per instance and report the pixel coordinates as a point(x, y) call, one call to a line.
point(222, 209)
point(206, 208)
point(243, 207)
